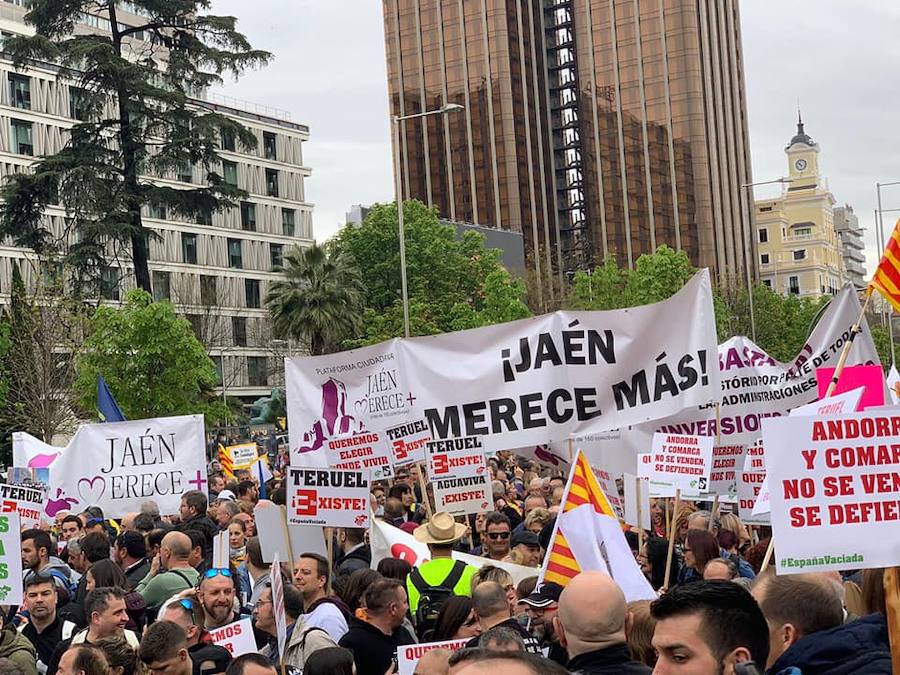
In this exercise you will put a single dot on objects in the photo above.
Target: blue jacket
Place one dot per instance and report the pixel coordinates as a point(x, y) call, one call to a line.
point(857, 648)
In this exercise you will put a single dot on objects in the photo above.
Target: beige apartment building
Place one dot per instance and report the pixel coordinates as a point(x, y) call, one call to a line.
point(800, 252)
point(216, 270)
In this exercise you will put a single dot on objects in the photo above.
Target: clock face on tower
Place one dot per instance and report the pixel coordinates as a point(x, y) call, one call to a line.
point(800, 164)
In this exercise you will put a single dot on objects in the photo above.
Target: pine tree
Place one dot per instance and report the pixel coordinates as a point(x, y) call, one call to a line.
point(134, 94)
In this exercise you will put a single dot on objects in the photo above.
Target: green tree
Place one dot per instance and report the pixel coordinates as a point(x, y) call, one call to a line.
point(319, 299)
point(453, 282)
point(149, 356)
point(132, 91)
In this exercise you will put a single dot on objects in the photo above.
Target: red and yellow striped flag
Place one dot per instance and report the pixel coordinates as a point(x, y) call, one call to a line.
point(582, 488)
point(226, 461)
point(887, 275)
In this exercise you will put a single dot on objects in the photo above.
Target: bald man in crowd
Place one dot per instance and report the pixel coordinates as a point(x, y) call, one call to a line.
point(170, 571)
point(591, 624)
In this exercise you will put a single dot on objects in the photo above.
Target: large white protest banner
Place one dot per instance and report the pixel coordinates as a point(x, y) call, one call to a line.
point(334, 497)
point(526, 381)
point(391, 542)
point(119, 465)
point(835, 491)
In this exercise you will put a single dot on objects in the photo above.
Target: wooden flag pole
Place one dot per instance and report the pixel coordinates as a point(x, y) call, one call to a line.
point(845, 352)
point(668, 523)
point(640, 514)
point(672, 538)
point(767, 558)
point(892, 610)
point(713, 512)
point(421, 471)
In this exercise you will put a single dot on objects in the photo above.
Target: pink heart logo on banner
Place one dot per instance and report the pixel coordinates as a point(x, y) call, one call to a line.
point(361, 406)
point(91, 489)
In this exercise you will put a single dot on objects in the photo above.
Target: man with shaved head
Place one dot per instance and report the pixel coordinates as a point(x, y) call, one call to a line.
point(170, 572)
point(492, 610)
point(591, 624)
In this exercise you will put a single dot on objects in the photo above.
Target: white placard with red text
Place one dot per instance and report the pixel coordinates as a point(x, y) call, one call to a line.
point(27, 501)
point(463, 495)
point(407, 442)
point(408, 655)
point(727, 461)
point(461, 457)
point(839, 404)
point(684, 461)
point(835, 491)
point(236, 637)
point(750, 482)
point(645, 470)
point(367, 451)
point(331, 497)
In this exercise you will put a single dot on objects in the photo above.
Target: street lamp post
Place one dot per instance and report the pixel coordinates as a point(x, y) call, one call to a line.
point(398, 189)
point(747, 186)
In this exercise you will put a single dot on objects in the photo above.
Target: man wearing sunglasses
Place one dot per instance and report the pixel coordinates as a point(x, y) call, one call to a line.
point(216, 595)
point(497, 531)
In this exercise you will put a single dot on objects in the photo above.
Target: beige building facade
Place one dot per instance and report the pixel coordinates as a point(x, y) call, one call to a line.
point(799, 250)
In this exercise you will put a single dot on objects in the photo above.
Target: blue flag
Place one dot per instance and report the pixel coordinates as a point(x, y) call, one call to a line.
point(107, 408)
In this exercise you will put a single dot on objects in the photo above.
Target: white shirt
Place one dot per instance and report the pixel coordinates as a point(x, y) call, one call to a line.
point(329, 618)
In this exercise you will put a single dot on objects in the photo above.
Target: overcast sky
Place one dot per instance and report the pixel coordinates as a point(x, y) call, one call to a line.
point(839, 59)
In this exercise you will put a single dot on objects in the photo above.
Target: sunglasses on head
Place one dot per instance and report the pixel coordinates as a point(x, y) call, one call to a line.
point(498, 535)
point(215, 571)
point(187, 603)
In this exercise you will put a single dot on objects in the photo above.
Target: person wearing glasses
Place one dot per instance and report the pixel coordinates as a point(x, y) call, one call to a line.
point(497, 532)
point(170, 571)
point(216, 595)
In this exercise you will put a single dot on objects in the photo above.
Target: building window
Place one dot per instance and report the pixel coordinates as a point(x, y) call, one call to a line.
point(189, 248)
point(185, 172)
point(251, 293)
point(229, 173)
point(800, 254)
point(272, 182)
point(162, 287)
point(248, 216)
point(794, 285)
point(228, 140)
point(257, 371)
point(204, 217)
point(196, 322)
point(763, 235)
point(217, 362)
point(276, 254)
point(239, 330)
point(764, 258)
point(767, 283)
point(77, 104)
point(20, 91)
point(22, 143)
point(109, 283)
point(269, 145)
point(802, 231)
point(158, 211)
point(235, 259)
point(288, 222)
point(207, 290)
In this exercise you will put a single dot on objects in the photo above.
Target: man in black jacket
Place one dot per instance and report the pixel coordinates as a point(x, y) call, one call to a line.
point(193, 517)
point(591, 626)
point(355, 553)
point(374, 642)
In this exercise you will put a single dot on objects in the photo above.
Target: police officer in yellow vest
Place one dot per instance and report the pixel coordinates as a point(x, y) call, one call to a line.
point(433, 580)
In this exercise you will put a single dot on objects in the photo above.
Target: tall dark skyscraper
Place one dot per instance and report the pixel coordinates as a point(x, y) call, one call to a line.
point(594, 127)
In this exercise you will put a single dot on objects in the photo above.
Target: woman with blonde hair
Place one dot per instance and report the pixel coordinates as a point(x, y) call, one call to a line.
point(502, 577)
point(640, 634)
point(536, 519)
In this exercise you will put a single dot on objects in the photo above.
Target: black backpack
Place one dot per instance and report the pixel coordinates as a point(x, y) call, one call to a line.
point(432, 598)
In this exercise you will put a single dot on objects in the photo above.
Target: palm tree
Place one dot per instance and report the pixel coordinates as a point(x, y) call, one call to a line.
point(319, 300)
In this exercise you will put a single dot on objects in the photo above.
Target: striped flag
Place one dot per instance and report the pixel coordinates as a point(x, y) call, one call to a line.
point(887, 275)
point(226, 461)
point(582, 488)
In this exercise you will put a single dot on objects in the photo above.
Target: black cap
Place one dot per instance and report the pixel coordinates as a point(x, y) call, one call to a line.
point(546, 595)
point(526, 537)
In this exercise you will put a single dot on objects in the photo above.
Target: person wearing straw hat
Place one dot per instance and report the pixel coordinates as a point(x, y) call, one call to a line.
point(432, 582)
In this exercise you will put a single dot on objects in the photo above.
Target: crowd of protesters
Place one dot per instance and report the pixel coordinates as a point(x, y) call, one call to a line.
point(105, 597)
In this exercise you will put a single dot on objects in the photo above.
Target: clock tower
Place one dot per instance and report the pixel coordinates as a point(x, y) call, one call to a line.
point(803, 160)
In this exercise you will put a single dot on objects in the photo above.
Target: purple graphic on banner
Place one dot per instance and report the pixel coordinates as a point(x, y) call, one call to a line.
point(334, 420)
